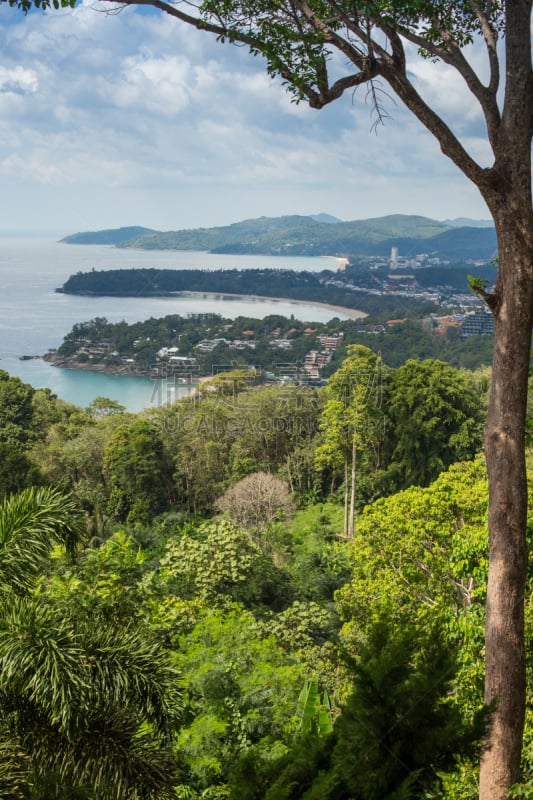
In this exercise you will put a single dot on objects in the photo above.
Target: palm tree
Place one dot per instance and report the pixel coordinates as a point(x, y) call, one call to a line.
point(88, 707)
point(31, 523)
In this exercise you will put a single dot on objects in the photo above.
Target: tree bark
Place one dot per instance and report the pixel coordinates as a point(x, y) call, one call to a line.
point(353, 479)
point(505, 679)
point(346, 496)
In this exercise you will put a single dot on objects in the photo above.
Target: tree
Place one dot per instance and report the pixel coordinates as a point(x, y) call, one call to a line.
point(400, 730)
point(103, 406)
point(242, 690)
point(352, 422)
point(135, 466)
point(434, 418)
point(215, 561)
point(87, 704)
point(256, 501)
point(322, 50)
point(31, 523)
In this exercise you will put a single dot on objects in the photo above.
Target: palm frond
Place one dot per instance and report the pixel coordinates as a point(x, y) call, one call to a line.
point(41, 659)
point(31, 523)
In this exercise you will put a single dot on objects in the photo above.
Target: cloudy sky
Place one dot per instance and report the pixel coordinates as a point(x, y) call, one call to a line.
point(133, 119)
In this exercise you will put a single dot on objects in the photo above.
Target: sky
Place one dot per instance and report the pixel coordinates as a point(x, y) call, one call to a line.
point(132, 118)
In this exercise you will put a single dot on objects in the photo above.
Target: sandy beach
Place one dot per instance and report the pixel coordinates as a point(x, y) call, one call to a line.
point(341, 262)
point(351, 312)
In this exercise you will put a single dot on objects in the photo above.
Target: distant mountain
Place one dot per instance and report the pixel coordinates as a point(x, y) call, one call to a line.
point(471, 242)
point(466, 222)
point(326, 218)
point(116, 236)
point(304, 235)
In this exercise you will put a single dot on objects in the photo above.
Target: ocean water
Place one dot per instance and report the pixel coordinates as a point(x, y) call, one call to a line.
point(34, 318)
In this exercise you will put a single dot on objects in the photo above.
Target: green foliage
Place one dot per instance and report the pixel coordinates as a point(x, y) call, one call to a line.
point(22, 420)
point(135, 466)
point(401, 716)
point(17, 471)
point(15, 409)
point(105, 642)
point(217, 440)
point(26, 5)
point(87, 705)
point(31, 523)
point(103, 406)
point(216, 562)
point(314, 710)
point(242, 692)
point(298, 46)
point(420, 550)
point(399, 731)
point(420, 558)
point(478, 285)
point(305, 629)
point(115, 580)
point(434, 418)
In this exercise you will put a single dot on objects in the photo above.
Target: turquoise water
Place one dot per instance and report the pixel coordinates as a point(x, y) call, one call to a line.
point(34, 318)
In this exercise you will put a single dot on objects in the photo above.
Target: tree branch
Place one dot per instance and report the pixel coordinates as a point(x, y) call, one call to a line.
point(452, 55)
point(449, 144)
point(491, 39)
point(197, 22)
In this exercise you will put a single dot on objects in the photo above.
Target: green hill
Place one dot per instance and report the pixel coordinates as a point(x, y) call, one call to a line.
point(115, 236)
point(305, 235)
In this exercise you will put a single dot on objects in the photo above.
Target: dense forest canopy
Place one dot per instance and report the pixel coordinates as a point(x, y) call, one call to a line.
point(210, 535)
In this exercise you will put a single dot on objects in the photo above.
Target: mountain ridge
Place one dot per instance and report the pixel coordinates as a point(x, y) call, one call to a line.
point(314, 235)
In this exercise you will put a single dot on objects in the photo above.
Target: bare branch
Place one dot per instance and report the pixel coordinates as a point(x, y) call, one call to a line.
point(381, 113)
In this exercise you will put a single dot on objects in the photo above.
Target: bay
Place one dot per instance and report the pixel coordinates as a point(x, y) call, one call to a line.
point(35, 318)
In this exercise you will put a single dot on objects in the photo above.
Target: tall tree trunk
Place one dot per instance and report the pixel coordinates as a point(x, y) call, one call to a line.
point(505, 680)
point(353, 479)
point(346, 489)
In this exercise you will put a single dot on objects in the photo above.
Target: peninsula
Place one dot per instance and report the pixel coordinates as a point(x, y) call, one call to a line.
point(324, 287)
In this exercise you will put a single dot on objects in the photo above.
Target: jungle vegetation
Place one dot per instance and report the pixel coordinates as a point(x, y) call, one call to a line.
point(219, 598)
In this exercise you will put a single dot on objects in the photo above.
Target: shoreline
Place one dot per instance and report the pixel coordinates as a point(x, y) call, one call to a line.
point(71, 362)
point(350, 312)
point(341, 262)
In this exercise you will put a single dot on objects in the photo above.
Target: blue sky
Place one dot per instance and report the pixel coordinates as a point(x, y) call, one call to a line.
point(133, 119)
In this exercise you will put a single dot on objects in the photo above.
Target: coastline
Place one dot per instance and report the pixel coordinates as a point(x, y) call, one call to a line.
point(350, 312)
point(71, 362)
point(341, 262)
point(122, 370)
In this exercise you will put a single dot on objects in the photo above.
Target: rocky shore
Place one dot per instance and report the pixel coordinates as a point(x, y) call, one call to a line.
point(72, 362)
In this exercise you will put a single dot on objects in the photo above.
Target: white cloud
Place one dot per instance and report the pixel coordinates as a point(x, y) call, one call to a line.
point(443, 89)
point(153, 85)
point(138, 119)
point(18, 79)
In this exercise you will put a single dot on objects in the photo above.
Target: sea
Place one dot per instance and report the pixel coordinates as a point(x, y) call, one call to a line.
point(34, 317)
